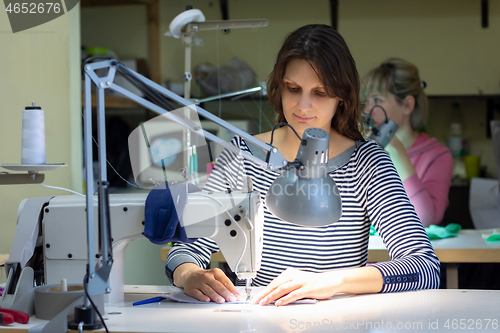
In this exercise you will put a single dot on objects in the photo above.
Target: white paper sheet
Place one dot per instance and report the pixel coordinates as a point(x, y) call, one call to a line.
point(179, 296)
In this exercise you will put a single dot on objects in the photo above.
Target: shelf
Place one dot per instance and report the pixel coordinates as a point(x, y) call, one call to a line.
point(479, 97)
point(21, 178)
point(99, 3)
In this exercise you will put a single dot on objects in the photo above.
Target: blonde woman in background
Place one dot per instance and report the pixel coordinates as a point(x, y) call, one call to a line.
point(424, 165)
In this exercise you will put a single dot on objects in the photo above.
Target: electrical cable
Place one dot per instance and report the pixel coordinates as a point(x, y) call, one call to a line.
point(85, 282)
point(116, 172)
point(210, 156)
point(385, 113)
point(260, 74)
point(218, 71)
point(41, 71)
point(281, 125)
point(84, 196)
point(375, 129)
point(164, 170)
point(63, 189)
point(296, 163)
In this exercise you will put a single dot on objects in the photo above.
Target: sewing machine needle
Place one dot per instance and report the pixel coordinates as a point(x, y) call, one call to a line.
point(248, 289)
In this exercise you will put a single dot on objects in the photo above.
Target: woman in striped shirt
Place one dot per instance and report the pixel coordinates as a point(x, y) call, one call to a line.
point(315, 84)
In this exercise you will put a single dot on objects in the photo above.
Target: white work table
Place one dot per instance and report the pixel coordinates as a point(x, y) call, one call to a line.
point(425, 310)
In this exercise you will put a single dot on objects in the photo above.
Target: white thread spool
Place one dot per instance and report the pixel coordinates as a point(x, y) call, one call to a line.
point(33, 136)
point(64, 285)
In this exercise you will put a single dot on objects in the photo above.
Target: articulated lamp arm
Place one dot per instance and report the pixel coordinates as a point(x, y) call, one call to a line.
point(275, 160)
point(98, 275)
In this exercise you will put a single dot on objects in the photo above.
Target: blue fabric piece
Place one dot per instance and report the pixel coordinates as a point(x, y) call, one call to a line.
point(163, 214)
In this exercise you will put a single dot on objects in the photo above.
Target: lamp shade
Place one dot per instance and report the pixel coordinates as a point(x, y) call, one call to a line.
point(385, 132)
point(307, 195)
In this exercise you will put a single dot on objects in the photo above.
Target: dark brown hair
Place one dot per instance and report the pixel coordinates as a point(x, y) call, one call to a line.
point(323, 47)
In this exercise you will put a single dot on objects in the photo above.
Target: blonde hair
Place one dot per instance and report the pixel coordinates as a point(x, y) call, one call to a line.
point(400, 78)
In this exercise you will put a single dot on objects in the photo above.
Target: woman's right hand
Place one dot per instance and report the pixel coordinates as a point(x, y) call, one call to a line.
point(205, 285)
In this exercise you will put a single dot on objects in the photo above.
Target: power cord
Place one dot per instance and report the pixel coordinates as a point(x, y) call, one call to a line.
point(84, 196)
point(374, 129)
point(294, 164)
point(281, 125)
point(85, 282)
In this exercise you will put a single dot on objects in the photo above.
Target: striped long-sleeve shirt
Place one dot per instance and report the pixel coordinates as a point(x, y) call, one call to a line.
point(371, 193)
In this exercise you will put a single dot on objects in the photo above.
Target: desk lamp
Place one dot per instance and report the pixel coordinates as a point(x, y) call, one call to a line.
point(308, 171)
point(382, 134)
point(305, 194)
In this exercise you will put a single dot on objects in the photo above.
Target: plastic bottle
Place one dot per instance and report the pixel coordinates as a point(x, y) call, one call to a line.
point(457, 144)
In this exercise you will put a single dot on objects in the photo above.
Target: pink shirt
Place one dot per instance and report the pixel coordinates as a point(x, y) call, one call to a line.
point(428, 188)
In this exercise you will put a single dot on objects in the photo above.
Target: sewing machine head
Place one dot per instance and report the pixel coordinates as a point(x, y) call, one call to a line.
point(62, 224)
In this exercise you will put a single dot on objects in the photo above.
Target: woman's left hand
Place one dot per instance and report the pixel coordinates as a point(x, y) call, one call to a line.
point(294, 284)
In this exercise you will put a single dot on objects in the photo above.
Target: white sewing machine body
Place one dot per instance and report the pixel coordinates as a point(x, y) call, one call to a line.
point(64, 236)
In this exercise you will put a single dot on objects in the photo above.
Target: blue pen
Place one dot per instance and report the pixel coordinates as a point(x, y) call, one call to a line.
point(149, 300)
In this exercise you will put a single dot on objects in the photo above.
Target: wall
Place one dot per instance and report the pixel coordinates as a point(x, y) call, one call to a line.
point(41, 64)
point(444, 38)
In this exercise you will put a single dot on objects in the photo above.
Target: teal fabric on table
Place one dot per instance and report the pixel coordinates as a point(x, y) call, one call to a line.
point(493, 238)
point(437, 232)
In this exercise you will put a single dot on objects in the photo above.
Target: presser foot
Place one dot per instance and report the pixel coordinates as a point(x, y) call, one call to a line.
point(248, 289)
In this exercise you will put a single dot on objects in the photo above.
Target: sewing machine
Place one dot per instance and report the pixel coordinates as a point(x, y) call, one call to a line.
point(233, 220)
